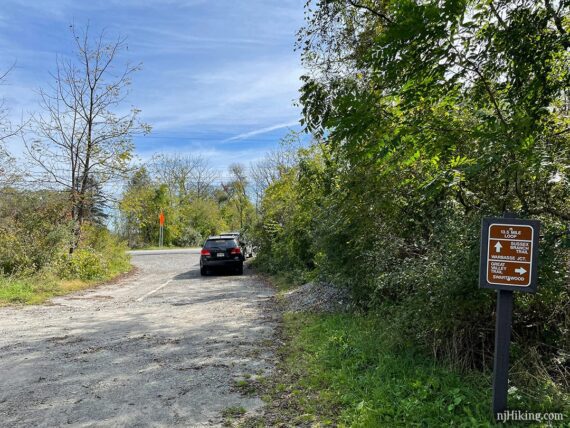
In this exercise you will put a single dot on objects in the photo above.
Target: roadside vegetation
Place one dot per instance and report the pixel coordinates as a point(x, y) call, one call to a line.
point(55, 201)
point(344, 370)
point(353, 370)
point(426, 117)
point(35, 259)
point(197, 201)
point(77, 199)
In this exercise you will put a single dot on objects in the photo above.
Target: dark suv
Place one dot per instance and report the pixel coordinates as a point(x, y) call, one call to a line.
point(245, 245)
point(221, 252)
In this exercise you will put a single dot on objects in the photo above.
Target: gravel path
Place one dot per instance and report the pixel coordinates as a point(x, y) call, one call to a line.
point(163, 348)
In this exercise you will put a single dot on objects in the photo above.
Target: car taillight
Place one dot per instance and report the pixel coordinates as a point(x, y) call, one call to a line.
point(205, 253)
point(236, 250)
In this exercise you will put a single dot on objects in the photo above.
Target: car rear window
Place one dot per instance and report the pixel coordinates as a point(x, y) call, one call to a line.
point(220, 243)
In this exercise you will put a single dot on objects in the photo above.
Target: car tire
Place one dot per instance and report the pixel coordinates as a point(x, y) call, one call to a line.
point(203, 271)
point(240, 269)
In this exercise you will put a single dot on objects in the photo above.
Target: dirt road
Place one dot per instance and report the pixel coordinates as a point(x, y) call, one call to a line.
point(163, 348)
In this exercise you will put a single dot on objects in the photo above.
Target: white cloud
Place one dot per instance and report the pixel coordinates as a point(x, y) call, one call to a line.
point(224, 67)
point(250, 134)
point(253, 93)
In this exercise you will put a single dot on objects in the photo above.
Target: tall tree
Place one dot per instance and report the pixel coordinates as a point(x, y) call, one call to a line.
point(186, 176)
point(474, 94)
point(82, 135)
point(7, 169)
point(139, 214)
point(435, 114)
point(274, 164)
point(237, 193)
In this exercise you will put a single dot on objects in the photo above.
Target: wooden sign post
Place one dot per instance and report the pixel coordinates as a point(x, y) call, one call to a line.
point(509, 255)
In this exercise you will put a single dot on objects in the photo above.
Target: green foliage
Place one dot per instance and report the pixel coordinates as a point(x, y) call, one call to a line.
point(200, 218)
point(35, 237)
point(28, 289)
point(83, 264)
point(354, 376)
point(428, 117)
point(193, 210)
point(342, 373)
point(100, 256)
point(34, 227)
point(289, 209)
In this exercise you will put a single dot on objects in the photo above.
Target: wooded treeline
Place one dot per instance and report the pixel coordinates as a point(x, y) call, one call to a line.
point(197, 201)
point(427, 117)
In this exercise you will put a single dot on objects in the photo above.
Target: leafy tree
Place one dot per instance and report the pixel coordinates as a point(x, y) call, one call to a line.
point(477, 89)
point(139, 213)
point(238, 208)
point(432, 114)
point(182, 187)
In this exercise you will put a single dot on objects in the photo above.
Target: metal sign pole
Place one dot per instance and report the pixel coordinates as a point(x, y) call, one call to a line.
point(503, 327)
point(509, 258)
point(502, 345)
point(161, 229)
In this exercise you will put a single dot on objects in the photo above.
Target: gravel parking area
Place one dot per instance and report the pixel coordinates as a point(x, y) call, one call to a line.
point(162, 348)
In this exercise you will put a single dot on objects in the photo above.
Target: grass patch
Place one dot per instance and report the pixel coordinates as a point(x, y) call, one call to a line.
point(337, 370)
point(245, 387)
point(282, 282)
point(250, 385)
point(233, 412)
point(34, 290)
point(164, 247)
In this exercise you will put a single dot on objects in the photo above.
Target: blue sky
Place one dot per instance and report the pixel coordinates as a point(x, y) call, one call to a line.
point(219, 77)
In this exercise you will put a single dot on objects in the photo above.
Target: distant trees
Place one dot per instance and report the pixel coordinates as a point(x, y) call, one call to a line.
point(189, 192)
point(81, 140)
point(274, 164)
point(140, 206)
point(186, 176)
point(237, 198)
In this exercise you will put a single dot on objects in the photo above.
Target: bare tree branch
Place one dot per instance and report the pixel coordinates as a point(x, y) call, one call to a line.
point(558, 22)
point(82, 144)
point(372, 11)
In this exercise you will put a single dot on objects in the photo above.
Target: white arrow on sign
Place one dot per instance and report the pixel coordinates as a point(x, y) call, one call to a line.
point(520, 271)
point(498, 247)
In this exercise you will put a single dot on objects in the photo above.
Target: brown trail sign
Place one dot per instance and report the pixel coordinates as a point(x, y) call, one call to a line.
point(509, 250)
point(509, 255)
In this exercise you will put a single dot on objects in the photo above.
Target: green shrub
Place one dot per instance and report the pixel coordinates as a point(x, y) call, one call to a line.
point(83, 264)
point(189, 237)
point(36, 234)
point(34, 230)
point(111, 250)
point(419, 257)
